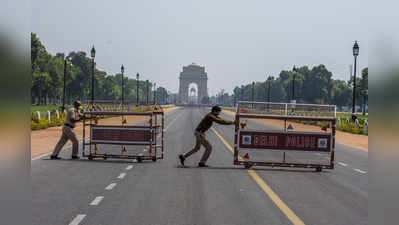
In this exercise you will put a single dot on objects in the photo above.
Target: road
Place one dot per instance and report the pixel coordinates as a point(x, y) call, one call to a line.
point(154, 193)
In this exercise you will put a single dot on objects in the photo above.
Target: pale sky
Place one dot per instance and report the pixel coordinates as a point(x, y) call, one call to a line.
point(237, 41)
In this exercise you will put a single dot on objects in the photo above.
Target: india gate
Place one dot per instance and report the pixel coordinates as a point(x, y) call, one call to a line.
point(193, 73)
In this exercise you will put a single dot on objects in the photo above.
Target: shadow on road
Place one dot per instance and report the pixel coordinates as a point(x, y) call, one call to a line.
point(130, 161)
point(255, 169)
point(187, 167)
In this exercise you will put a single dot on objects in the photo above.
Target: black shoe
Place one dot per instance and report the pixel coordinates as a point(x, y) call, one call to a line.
point(202, 165)
point(75, 157)
point(181, 157)
point(55, 157)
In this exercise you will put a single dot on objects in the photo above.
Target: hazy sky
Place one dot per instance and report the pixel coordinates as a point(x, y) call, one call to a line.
point(237, 41)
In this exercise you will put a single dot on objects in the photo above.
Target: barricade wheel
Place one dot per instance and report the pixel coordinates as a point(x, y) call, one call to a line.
point(318, 169)
point(105, 158)
point(139, 159)
point(154, 158)
point(248, 166)
point(90, 157)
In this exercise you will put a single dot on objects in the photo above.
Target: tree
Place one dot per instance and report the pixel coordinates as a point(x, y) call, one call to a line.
point(41, 84)
point(364, 84)
point(311, 86)
point(55, 68)
point(161, 95)
point(38, 51)
point(48, 73)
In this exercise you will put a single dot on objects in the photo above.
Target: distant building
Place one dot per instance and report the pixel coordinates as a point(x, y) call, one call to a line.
point(193, 73)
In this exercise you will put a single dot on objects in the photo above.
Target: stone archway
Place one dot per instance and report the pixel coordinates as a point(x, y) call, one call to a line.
point(193, 94)
point(193, 73)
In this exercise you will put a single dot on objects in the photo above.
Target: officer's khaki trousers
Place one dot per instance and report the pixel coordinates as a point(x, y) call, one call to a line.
point(200, 140)
point(67, 134)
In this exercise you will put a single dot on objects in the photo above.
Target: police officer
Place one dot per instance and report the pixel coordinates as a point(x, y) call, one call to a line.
point(199, 133)
point(73, 115)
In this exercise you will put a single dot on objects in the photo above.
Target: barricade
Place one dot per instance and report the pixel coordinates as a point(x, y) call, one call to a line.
point(135, 132)
point(265, 136)
point(193, 105)
point(117, 106)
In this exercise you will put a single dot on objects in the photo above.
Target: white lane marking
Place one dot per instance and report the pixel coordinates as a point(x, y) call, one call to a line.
point(97, 200)
point(122, 175)
point(342, 164)
point(177, 117)
point(111, 186)
point(129, 167)
point(41, 156)
point(77, 219)
point(360, 171)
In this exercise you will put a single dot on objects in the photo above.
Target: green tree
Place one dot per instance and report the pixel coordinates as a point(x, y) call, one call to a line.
point(364, 83)
point(161, 95)
point(311, 86)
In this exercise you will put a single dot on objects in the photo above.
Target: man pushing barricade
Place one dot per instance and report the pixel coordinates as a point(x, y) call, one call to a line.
point(199, 133)
point(73, 115)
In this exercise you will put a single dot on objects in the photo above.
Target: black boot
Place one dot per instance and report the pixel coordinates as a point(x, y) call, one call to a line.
point(201, 164)
point(55, 157)
point(181, 157)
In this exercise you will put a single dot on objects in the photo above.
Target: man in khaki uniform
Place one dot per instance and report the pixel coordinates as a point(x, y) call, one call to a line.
point(73, 115)
point(199, 133)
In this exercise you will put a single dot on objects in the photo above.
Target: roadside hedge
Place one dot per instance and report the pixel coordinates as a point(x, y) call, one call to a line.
point(43, 123)
point(345, 127)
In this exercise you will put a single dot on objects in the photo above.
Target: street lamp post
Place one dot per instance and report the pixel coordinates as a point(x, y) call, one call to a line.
point(123, 85)
point(253, 90)
point(293, 83)
point(221, 99)
point(63, 90)
point(364, 99)
point(355, 50)
point(147, 84)
point(235, 97)
point(268, 88)
point(137, 91)
point(242, 93)
point(265, 90)
point(269, 80)
point(155, 92)
point(93, 54)
point(163, 97)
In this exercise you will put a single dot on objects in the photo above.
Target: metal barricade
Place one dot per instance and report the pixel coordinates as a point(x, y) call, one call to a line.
point(131, 137)
point(317, 144)
point(118, 106)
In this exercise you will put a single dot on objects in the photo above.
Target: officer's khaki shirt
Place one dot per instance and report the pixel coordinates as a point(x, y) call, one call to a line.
point(207, 121)
point(72, 117)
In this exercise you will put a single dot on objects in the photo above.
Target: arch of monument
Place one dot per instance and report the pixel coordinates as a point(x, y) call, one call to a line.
point(193, 73)
point(193, 96)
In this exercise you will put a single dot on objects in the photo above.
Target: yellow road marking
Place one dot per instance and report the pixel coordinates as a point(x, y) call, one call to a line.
point(262, 184)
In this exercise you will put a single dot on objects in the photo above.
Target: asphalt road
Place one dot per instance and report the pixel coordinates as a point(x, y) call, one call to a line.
point(154, 193)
